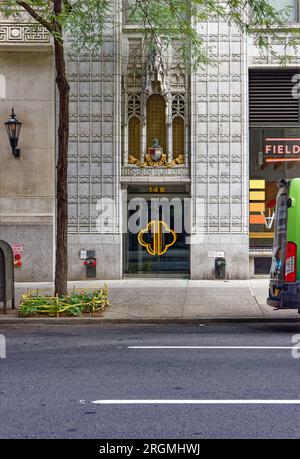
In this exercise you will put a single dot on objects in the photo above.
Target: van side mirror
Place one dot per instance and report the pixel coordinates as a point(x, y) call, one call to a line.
point(291, 202)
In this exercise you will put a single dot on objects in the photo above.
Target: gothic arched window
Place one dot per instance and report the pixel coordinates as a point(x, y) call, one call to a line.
point(156, 121)
point(134, 144)
point(178, 137)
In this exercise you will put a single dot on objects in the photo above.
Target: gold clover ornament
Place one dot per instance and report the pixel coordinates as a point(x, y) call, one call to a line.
point(156, 247)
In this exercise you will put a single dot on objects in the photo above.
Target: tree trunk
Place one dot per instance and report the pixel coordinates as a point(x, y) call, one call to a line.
point(61, 268)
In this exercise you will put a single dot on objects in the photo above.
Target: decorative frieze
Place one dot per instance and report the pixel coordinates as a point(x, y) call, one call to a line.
point(87, 58)
point(91, 117)
point(95, 138)
point(220, 117)
point(90, 159)
point(219, 98)
point(90, 77)
point(214, 221)
point(219, 199)
point(84, 97)
point(222, 38)
point(90, 179)
point(86, 199)
point(23, 33)
point(218, 159)
point(224, 57)
point(218, 179)
point(215, 77)
point(221, 138)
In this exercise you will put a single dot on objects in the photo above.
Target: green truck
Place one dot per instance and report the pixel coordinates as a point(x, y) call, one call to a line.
point(284, 291)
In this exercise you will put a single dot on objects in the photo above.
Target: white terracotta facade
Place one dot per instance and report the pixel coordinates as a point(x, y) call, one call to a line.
point(214, 173)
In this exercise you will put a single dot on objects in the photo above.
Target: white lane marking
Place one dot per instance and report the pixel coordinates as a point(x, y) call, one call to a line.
point(196, 402)
point(213, 347)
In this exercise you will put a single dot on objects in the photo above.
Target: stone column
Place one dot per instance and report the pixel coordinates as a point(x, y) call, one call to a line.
point(186, 143)
point(169, 151)
point(143, 128)
point(125, 131)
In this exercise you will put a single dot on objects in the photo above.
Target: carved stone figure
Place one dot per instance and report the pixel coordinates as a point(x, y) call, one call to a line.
point(155, 72)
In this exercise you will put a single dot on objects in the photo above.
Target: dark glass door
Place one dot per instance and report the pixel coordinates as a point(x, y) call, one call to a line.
point(159, 245)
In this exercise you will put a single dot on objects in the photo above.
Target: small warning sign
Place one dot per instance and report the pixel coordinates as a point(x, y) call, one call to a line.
point(18, 248)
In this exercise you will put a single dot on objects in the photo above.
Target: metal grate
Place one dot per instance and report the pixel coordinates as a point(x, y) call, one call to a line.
point(271, 96)
point(262, 265)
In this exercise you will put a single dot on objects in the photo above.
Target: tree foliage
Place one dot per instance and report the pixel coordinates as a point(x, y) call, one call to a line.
point(161, 21)
point(166, 21)
point(82, 20)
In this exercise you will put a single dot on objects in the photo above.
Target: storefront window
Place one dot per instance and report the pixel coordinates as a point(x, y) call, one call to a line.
point(274, 155)
point(274, 117)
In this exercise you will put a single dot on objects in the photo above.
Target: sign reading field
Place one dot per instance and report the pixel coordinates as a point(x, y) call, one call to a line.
point(282, 150)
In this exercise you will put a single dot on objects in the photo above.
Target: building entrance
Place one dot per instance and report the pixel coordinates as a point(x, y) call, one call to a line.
point(156, 243)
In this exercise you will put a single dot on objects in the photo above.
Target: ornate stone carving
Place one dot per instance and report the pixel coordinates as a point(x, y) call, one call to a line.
point(215, 38)
point(134, 105)
point(178, 78)
point(135, 51)
point(162, 162)
point(91, 117)
point(86, 138)
point(23, 33)
point(155, 73)
point(89, 77)
point(177, 56)
point(178, 105)
point(134, 76)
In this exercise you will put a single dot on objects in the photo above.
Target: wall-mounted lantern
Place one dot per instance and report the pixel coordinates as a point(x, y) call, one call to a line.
point(13, 127)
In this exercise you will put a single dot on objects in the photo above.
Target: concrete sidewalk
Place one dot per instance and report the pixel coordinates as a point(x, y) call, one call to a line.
point(171, 300)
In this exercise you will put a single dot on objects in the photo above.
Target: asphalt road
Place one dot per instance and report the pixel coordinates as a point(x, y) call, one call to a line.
point(51, 376)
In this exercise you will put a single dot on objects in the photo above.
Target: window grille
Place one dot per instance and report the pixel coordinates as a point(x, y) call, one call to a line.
point(271, 96)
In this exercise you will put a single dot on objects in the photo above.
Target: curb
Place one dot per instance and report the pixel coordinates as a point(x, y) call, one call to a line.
point(142, 321)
